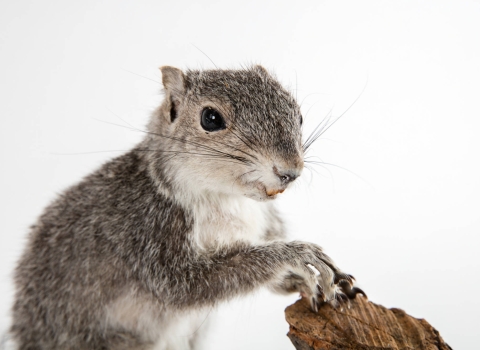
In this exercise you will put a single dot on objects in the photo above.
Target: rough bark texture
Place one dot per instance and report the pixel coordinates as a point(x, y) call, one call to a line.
point(363, 326)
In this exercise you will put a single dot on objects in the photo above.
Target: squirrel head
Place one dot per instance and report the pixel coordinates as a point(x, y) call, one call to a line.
point(226, 131)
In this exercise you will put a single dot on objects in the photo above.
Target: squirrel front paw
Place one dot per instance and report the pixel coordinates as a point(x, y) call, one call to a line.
point(330, 285)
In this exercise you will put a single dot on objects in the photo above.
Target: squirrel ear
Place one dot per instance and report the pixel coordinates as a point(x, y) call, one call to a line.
point(173, 81)
point(260, 69)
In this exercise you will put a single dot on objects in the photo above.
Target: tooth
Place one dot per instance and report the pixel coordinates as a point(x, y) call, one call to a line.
point(274, 192)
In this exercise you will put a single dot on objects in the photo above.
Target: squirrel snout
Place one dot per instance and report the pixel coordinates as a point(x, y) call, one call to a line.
point(286, 176)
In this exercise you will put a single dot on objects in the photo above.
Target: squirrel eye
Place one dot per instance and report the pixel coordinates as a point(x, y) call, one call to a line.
point(301, 119)
point(212, 120)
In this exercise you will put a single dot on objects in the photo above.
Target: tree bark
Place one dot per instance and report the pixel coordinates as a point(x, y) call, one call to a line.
point(363, 326)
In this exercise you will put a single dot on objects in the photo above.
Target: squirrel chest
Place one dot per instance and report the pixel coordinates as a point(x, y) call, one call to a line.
point(220, 221)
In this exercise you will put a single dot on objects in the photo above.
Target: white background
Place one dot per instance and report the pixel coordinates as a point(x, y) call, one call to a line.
point(406, 223)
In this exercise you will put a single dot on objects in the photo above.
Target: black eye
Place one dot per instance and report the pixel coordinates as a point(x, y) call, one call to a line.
point(301, 119)
point(212, 120)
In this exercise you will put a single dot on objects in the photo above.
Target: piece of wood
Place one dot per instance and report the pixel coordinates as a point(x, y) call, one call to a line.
point(363, 326)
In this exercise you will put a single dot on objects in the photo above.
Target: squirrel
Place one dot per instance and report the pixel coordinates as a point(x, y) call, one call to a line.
point(146, 245)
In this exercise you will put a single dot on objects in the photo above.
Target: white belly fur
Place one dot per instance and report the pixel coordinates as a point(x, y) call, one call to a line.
point(219, 221)
point(147, 318)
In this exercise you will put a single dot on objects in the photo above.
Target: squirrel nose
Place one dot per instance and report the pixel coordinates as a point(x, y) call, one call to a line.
point(286, 176)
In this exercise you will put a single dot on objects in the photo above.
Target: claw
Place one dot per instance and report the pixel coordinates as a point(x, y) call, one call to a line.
point(342, 298)
point(343, 277)
point(350, 291)
point(320, 294)
point(334, 303)
point(356, 291)
point(314, 305)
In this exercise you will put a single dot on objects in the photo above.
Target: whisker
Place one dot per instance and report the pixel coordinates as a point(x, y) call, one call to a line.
point(233, 147)
point(230, 128)
point(238, 177)
point(170, 158)
point(340, 167)
point(212, 158)
point(315, 134)
point(248, 144)
point(116, 115)
point(227, 155)
point(332, 179)
point(204, 54)
point(126, 70)
point(311, 170)
point(349, 107)
point(296, 85)
point(85, 153)
point(310, 94)
point(318, 132)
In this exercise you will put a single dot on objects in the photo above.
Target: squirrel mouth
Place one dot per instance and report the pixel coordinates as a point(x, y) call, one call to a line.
point(273, 192)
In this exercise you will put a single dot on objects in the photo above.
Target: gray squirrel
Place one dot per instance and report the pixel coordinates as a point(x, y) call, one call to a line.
point(139, 251)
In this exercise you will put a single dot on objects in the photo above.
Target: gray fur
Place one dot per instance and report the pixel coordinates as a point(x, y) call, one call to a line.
point(133, 243)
